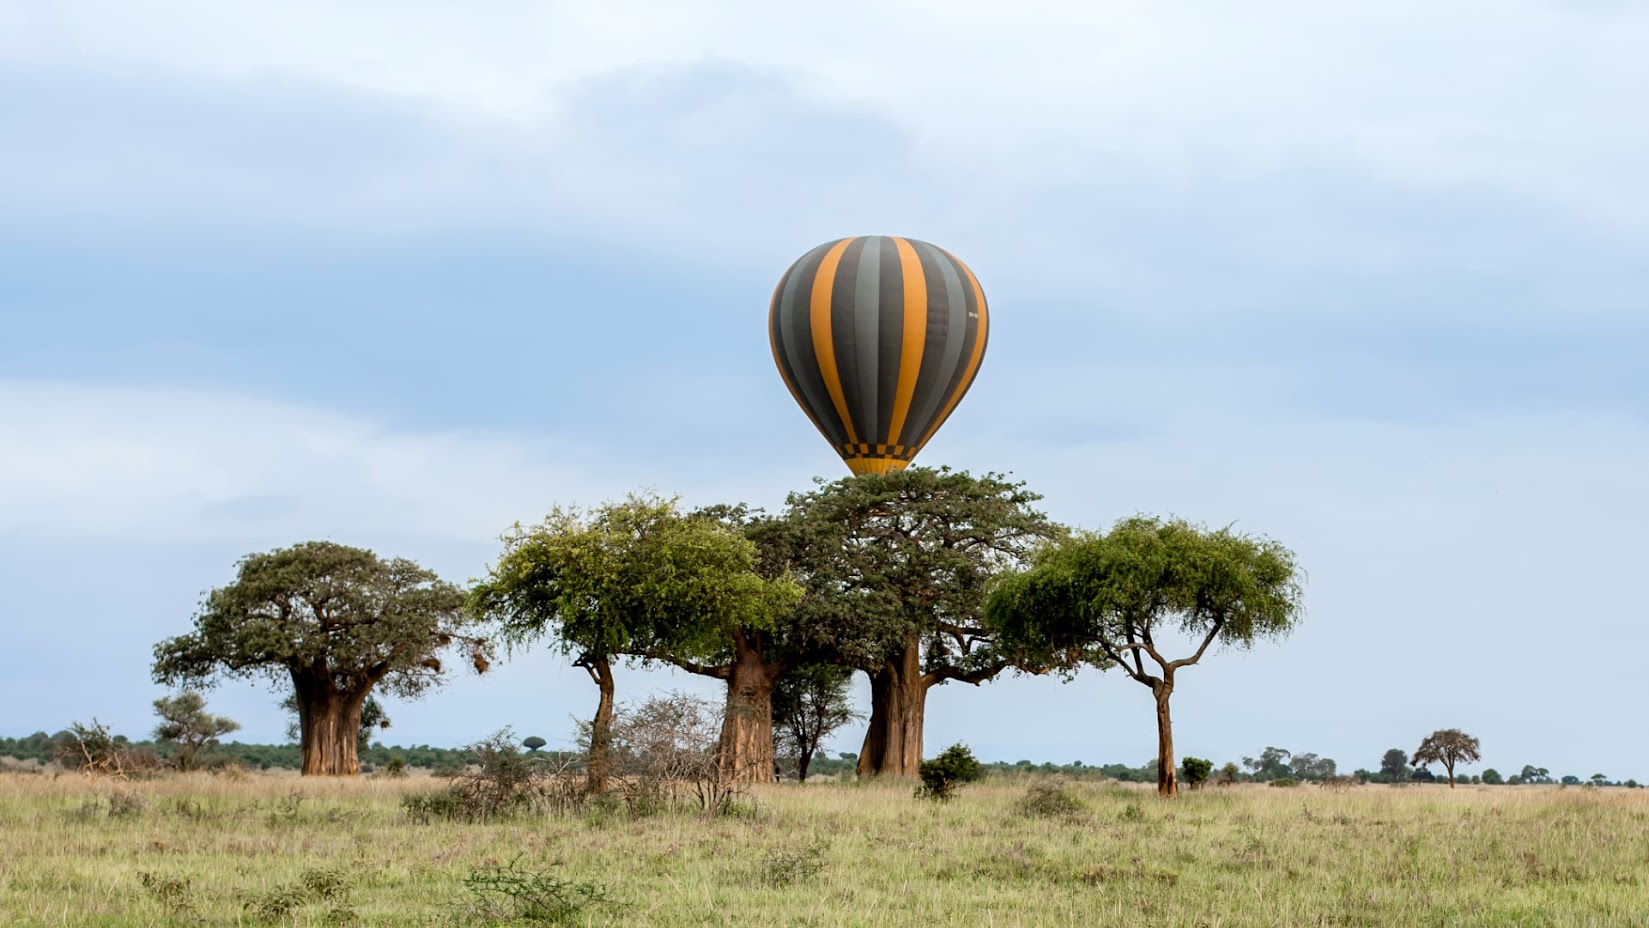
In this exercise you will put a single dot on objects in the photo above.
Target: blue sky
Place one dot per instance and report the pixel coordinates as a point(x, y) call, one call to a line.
point(1371, 279)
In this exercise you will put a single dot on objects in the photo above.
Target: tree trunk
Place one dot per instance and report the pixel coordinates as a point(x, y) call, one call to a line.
point(898, 698)
point(1450, 768)
point(601, 727)
point(746, 751)
point(1167, 781)
point(803, 761)
point(329, 724)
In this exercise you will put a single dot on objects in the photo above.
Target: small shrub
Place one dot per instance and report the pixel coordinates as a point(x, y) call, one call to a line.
point(126, 802)
point(941, 776)
point(325, 883)
point(172, 892)
point(786, 866)
point(514, 893)
point(277, 904)
point(504, 783)
point(1049, 799)
point(442, 805)
point(1133, 812)
point(395, 768)
point(1196, 771)
point(1228, 775)
point(1284, 782)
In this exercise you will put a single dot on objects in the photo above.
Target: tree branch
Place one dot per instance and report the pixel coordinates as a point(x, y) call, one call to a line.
point(719, 671)
point(1188, 661)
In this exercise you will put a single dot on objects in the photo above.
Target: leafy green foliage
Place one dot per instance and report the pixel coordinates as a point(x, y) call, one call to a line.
point(336, 622)
point(809, 703)
point(889, 556)
point(512, 892)
point(1196, 771)
point(189, 729)
point(941, 776)
point(342, 611)
point(787, 866)
point(635, 578)
point(1104, 600)
point(1049, 798)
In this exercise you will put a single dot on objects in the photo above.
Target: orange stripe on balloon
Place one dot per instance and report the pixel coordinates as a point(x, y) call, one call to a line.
point(823, 345)
point(915, 334)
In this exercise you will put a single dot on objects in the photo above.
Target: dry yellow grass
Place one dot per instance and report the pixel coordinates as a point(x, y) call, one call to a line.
point(202, 850)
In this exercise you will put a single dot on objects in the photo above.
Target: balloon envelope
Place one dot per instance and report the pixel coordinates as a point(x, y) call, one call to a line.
point(877, 338)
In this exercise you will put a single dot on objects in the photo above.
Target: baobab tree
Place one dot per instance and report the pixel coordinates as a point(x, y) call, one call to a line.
point(896, 568)
point(337, 622)
point(1108, 601)
point(635, 580)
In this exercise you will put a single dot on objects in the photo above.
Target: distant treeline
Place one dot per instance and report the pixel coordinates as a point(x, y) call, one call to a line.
point(1274, 766)
point(46, 748)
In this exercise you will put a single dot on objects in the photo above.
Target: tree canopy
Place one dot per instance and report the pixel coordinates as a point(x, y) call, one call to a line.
point(189, 728)
point(897, 567)
point(1109, 600)
point(630, 580)
point(1448, 746)
point(336, 622)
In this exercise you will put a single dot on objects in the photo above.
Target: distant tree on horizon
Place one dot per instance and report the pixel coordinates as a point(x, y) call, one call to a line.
point(1394, 765)
point(1447, 746)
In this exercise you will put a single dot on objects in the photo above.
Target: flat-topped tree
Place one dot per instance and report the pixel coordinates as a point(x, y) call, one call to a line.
point(631, 580)
point(1104, 600)
point(337, 622)
point(897, 567)
point(1448, 746)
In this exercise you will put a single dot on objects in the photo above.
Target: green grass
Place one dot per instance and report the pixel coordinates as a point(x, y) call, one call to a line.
point(199, 850)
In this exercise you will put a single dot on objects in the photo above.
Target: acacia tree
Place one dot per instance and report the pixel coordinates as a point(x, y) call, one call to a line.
point(189, 728)
point(1448, 746)
point(897, 567)
point(809, 703)
point(335, 621)
point(633, 580)
point(1106, 600)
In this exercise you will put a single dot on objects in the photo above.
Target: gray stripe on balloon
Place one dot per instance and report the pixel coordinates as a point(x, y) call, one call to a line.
point(793, 316)
point(866, 317)
point(955, 320)
point(891, 327)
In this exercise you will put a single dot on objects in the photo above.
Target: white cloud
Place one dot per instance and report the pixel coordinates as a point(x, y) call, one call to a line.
point(1525, 100)
point(181, 465)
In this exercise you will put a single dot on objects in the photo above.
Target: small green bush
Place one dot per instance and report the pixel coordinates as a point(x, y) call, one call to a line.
point(514, 893)
point(941, 776)
point(1196, 771)
point(783, 867)
point(1049, 799)
point(1284, 782)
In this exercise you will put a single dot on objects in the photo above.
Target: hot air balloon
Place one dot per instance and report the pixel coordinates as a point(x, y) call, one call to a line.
point(877, 338)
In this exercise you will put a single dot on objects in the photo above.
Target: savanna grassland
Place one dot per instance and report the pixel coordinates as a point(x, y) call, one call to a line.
point(255, 850)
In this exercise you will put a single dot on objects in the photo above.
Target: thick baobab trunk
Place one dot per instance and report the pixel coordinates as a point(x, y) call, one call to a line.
point(898, 698)
point(746, 751)
point(329, 722)
point(601, 727)
point(1167, 781)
